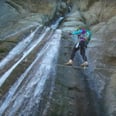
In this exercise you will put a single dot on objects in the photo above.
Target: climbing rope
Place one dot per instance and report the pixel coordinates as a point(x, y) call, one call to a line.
point(80, 67)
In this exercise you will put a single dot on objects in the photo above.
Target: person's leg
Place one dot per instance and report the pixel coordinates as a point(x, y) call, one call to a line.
point(74, 50)
point(83, 52)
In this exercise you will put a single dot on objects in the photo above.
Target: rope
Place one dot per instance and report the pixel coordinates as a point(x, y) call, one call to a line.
point(80, 67)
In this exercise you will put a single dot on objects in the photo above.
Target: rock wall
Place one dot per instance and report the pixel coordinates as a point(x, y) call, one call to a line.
point(36, 6)
point(100, 17)
point(25, 13)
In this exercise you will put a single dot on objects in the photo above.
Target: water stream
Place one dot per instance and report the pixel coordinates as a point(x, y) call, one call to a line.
point(23, 96)
point(25, 53)
point(26, 91)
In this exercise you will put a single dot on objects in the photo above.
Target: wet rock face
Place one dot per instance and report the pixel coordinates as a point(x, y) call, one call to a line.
point(107, 59)
point(100, 16)
point(20, 17)
point(23, 16)
point(46, 7)
point(34, 6)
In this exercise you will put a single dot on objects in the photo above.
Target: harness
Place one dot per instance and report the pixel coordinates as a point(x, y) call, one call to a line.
point(82, 35)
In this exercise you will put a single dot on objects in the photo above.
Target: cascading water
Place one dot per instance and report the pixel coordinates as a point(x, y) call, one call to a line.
point(26, 91)
point(13, 53)
point(55, 25)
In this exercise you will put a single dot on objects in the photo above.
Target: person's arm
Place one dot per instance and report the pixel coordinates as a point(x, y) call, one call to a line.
point(76, 32)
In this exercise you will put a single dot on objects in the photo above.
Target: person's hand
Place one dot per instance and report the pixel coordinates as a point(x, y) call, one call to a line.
point(70, 33)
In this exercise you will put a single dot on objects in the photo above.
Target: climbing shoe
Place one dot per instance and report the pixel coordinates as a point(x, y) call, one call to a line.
point(84, 64)
point(70, 62)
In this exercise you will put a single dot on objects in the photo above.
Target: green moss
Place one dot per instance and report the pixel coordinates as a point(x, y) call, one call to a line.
point(3, 50)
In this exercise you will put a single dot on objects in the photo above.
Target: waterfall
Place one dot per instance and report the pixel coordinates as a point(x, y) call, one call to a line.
point(17, 50)
point(26, 91)
point(56, 24)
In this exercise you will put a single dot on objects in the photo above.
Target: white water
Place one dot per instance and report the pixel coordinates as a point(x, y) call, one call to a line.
point(54, 26)
point(25, 53)
point(25, 96)
point(17, 50)
point(21, 30)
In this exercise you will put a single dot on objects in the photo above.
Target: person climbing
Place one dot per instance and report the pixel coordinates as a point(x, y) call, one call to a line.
point(84, 36)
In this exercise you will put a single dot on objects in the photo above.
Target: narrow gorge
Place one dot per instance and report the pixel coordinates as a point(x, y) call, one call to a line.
point(34, 45)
